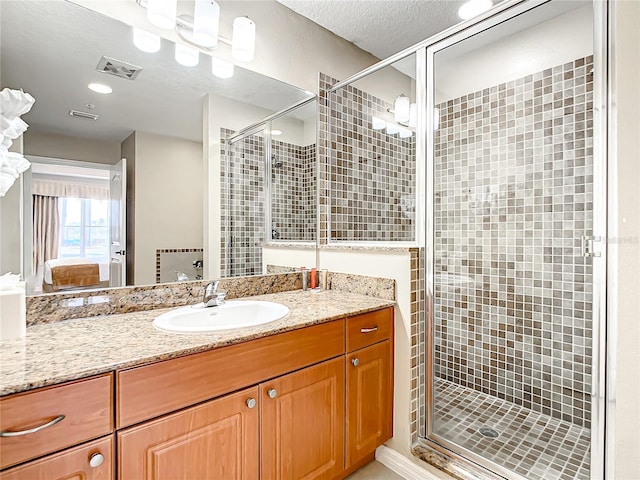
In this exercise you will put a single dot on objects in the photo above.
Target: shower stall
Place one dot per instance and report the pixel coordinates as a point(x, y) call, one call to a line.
point(510, 162)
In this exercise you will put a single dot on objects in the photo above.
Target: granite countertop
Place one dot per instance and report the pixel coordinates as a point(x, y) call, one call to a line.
point(68, 350)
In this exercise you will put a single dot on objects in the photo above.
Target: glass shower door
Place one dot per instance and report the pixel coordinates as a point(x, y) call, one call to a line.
point(512, 222)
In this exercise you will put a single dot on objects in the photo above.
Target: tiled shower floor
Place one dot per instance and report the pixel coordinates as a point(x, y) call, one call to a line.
point(534, 445)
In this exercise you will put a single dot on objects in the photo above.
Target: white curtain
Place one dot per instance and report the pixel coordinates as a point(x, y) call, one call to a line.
point(46, 229)
point(70, 189)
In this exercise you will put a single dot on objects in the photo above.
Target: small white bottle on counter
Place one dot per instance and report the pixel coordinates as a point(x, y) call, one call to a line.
point(13, 322)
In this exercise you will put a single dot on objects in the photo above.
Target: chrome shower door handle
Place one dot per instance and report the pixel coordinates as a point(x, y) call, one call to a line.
point(586, 246)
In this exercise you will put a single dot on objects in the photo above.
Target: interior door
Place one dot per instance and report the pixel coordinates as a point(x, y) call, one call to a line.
point(118, 225)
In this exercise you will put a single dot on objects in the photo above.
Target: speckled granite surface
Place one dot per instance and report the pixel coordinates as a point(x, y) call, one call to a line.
point(371, 286)
point(72, 349)
point(55, 307)
point(369, 247)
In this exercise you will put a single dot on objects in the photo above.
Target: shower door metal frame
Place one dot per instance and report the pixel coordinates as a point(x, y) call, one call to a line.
point(599, 304)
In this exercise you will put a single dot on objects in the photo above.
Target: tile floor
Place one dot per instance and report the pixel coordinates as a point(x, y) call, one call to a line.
point(536, 446)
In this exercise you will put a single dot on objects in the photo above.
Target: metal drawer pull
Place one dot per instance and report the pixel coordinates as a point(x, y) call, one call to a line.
point(355, 362)
point(368, 330)
point(51, 423)
point(272, 393)
point(251, 402)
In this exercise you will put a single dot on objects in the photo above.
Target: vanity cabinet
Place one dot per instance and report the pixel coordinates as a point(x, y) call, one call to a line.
point(302, 427)
point(217, 440)
point(91, 461)
point(369, 380)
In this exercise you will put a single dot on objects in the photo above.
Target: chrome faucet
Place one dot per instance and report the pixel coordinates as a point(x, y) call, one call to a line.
point(212, 297)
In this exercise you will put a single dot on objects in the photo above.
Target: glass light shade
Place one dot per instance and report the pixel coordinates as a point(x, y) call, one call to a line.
point(405, 133)
point(413, 115)
point(436, 118)
point(187, 56)
point(100, 88)
point(392, 128)
point(221, 68)
point(401, 108)
point(243, 41)
point(206, 18)
point(275, 133)
point(473, 8)
point(162, 13)
point(145, 41)
point(378, 123)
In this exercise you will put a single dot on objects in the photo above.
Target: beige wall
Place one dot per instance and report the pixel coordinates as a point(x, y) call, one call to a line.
point(44, 144)
point(11, 215)
point(625, 284)
point(168, 199)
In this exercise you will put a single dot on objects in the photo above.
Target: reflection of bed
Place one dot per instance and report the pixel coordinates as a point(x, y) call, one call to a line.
point(68, 273)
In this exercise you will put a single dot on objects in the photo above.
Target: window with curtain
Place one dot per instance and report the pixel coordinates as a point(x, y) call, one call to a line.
point(84, 229)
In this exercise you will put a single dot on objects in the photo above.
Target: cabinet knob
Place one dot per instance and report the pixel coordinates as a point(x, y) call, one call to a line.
point(251, 402)
point(272, 392)
point(355, 362)
point(96, 460)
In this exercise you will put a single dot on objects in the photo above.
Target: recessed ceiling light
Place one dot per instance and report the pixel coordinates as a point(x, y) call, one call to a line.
point(100, 88)
point(473, 8)
point(276, 132)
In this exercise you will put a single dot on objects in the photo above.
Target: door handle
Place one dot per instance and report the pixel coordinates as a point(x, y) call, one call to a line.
point(120, 252)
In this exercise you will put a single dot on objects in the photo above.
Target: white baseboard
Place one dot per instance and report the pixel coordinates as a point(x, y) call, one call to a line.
point(402, 465)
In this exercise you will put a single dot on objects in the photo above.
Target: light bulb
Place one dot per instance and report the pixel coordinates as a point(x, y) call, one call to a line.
point(243, 41)
point(221, 68)
point(401, 108)
point(145, 41)
point(187, 56)
point(392, 128)
point(206, 18)
point(162, 13)
point(378, 123)
point(473, 8)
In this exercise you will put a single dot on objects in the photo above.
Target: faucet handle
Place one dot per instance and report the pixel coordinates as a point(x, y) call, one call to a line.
point(211, 288)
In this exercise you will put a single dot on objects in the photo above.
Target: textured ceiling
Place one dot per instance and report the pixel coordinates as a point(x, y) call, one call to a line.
point(381, 27)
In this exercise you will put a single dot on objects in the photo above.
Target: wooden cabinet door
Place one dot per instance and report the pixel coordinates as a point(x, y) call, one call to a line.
point(369, 400)
point(91, 461)
point(302, 427)
point(217, 440)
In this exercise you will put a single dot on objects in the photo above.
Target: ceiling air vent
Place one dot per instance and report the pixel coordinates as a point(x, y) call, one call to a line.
point(118, 68)
point(78, 113)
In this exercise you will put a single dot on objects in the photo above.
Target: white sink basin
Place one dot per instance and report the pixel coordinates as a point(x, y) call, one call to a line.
point(231, 315)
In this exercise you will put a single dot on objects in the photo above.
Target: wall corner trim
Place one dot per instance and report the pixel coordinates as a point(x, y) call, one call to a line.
point(403, 466)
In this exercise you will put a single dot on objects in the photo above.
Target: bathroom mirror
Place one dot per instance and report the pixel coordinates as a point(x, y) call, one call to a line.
point(165, 119)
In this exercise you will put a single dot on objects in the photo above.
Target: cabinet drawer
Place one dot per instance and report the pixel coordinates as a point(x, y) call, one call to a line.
point(73, 463)
point(84, 405)
point(152, 390)
point(369, 328)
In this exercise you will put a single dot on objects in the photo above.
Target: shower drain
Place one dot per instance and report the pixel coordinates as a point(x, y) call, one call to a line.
point(489, 432)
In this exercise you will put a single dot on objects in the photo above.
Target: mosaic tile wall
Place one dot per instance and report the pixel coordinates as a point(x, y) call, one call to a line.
point(368, 189)
point(171, 261)
point(513, 198)
point(243, 205)
point(293, 192)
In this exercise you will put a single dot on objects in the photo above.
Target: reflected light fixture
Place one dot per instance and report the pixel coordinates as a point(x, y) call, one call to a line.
point(413, 115)
point(275, 133)
point(392, 128)
point(401, 108)
point(473, 8)
point(162, 13)
point(206, 18)
point(187, 56)
point(243, 40)
point(100, 88)
point(221, 68)
point(405, 133)
point(378, 123)
point(145, 41)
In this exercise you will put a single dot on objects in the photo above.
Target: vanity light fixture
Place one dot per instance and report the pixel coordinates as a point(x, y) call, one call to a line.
point(405, 133)
point(392, 128)
point(206, 18)
point(187, 56)
point(401, 108)
point(145, 41)
point(100, 88)
point(202, 29)
point(162, 13)
point(221, 68)
point(473, 8)
point(378, 123)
